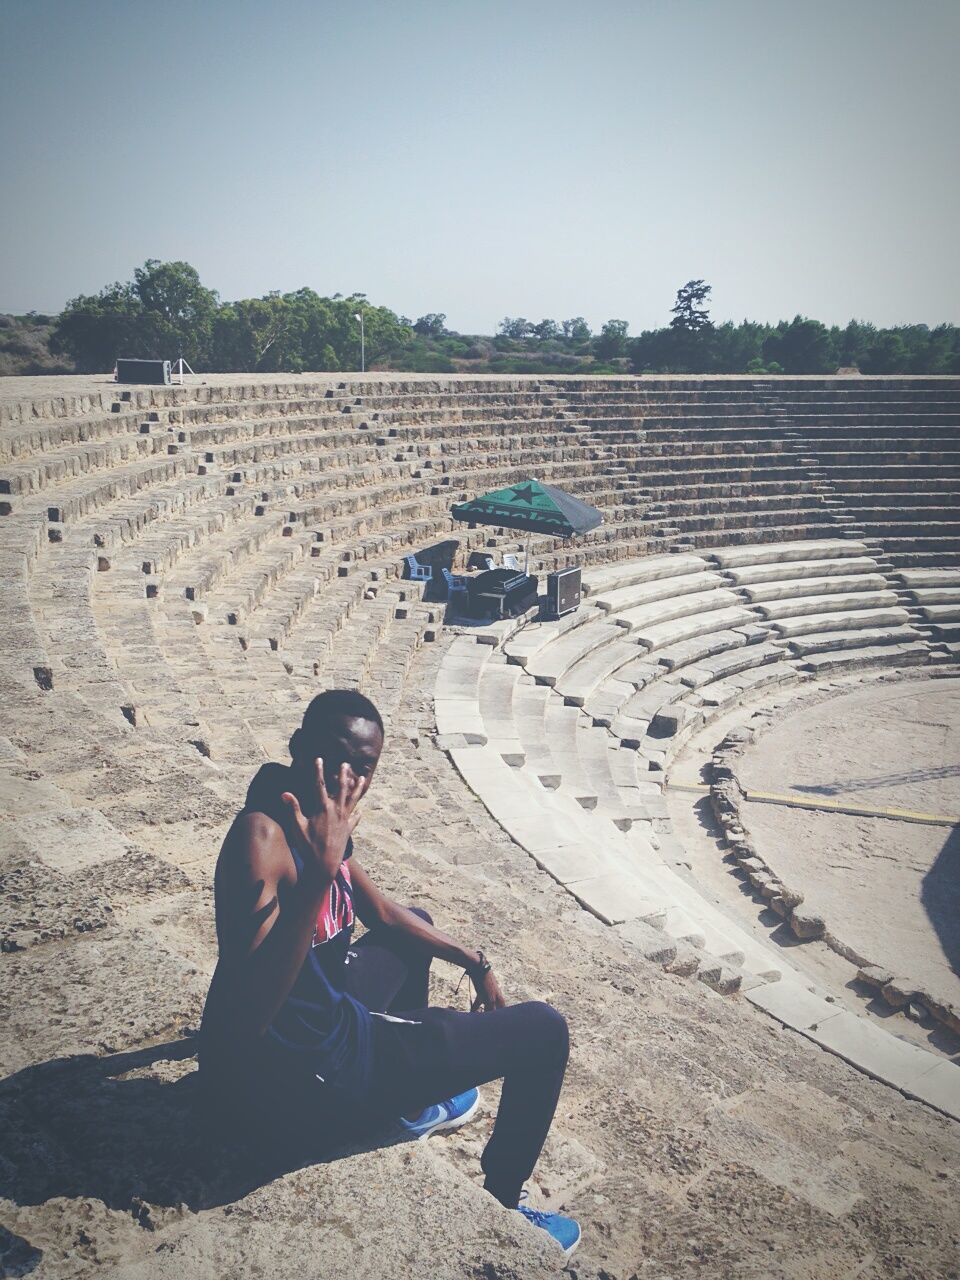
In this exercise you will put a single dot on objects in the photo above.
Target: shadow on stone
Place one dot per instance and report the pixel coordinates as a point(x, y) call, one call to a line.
point(940, 895)
point(17, 1256)
point(937, 1035)
point(127, 1129)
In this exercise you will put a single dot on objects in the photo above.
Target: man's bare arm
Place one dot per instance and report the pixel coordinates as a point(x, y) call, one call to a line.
point(374, 907)
point(262, 948)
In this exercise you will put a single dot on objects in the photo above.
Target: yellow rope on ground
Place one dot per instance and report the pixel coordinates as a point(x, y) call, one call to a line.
point(832, 806)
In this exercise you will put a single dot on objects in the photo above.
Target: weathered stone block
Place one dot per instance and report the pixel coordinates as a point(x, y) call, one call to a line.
point(898, 992)
point(686, 962)
point(874, 975)
point(720, 978)
point(654, 945)
point(116, 992)
point(807, 923)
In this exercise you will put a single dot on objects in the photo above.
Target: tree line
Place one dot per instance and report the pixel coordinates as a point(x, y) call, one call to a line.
point(692, 343)
point(165, 311)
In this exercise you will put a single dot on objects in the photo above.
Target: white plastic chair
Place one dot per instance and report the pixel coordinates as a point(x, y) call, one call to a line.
point(455, 582)
point(418, 572)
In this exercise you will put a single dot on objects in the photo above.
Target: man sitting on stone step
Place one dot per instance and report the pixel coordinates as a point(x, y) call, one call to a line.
point(309, 1037)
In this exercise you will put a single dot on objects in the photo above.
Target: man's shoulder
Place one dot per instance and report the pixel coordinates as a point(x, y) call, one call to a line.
point(264, 792)
point(255, 849)
point(257, 841)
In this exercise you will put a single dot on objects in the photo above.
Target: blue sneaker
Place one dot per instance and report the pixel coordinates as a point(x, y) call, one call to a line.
point(566, 1231)
point(441, 1117)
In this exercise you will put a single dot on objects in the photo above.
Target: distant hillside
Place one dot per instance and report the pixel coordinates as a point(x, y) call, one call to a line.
point(25, 345)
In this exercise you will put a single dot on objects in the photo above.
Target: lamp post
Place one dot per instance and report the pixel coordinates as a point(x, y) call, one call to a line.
point(363, 353)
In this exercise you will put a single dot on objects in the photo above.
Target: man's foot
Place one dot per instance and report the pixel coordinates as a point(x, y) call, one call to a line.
point(442, 1116)
point(566, 1231)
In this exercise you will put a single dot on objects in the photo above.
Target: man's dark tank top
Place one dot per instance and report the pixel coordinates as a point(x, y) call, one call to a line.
point(319, 1030)
point(319, 1026)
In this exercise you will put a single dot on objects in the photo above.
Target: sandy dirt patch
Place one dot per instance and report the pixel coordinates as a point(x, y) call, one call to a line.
point(890, 889)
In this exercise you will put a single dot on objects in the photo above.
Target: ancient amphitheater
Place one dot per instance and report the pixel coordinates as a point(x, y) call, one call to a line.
point(711, 815)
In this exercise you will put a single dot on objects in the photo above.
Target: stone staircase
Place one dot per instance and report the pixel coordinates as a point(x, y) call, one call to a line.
point(565, 730)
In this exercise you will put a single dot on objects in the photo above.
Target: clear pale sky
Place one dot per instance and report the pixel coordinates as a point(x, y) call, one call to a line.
point(490, 157)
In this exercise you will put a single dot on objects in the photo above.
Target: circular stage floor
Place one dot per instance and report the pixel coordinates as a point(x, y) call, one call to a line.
point(888, 888)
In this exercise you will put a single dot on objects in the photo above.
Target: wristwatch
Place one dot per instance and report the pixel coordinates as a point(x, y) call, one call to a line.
point(481, 968)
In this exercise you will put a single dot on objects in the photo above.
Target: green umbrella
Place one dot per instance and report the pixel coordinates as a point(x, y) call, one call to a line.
point(530, 505)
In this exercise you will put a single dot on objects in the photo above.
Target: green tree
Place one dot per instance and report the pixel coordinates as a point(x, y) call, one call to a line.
point(612, 342)
point(576, 330)
point(802, 346)
point(93, 329)
point(162, 310)
point(432, 325)
point(246, 334)
point(854, 343)
point(689, 312)
point(172, 292)
point(887, 354)
point(546, 331)
point(735, 348)
point(516, 328)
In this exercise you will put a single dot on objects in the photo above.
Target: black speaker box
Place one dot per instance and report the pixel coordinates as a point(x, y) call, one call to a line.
point(563, 592)
point(147, 372)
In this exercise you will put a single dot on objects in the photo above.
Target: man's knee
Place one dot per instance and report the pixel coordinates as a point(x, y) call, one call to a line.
point(549, 1029)
point(425, 916)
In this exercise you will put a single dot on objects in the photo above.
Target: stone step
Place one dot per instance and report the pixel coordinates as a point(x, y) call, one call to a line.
point(634, 572)
point(641, 618)
point(940, 613)
point(633, 596)
point(774, 610)
point(946, 632)
point(664, 635)
point(550, 662)
point(928, 579)
point(849, 620)
point(884, 655)
point(799, 587)
point(531, 640)
point(730, 664)
point(798, 571)
point(687, 652)
point(529, 712)
point(602, 871)
point(832, 641)
point(931, 596)
point(732, 690)
point(582, 677)
point(786, 552)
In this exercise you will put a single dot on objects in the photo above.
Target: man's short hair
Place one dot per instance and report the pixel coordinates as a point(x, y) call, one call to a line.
point(336, 704)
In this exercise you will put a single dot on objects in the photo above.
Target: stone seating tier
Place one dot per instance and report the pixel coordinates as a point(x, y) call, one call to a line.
point(96, 478)
point(153, 708)
point(780, 391)
point(554, 776)
point(251, 568)
point(675, 517)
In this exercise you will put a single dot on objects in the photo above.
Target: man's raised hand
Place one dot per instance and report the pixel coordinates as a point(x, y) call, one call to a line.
point(325, 832)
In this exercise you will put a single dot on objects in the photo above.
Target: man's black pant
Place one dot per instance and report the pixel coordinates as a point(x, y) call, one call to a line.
point(433, 1054)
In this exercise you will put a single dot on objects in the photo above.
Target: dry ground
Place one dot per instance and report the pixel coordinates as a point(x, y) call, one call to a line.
point(694, 1137)
point(891, 890)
